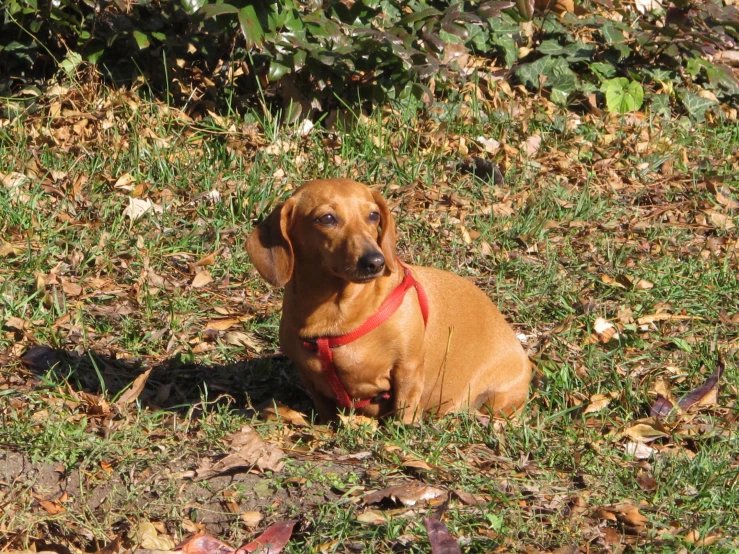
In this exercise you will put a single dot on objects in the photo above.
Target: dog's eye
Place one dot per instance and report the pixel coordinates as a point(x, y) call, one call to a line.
point(327, 220)
point(374, 217)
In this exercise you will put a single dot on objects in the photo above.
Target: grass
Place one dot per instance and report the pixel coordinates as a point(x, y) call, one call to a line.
point(566, 239)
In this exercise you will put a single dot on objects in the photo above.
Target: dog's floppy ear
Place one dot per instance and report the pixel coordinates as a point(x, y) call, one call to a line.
point(269, 246)
point(386, 239)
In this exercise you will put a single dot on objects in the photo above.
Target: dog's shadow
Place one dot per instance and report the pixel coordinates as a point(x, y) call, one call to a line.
point(173, 384)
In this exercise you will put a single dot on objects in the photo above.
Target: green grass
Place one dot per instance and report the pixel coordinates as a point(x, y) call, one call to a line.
point(561, 232)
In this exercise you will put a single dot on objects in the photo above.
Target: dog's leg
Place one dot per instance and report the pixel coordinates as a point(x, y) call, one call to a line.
point(407, 390)
point(325, 407)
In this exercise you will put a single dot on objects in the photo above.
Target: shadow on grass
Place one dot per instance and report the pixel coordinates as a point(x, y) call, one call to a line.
point(173, 384)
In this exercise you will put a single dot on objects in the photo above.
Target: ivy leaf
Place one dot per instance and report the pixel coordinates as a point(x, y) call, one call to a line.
point(276, 71)
point(550, 47)
point(213, 10)
point(622, 96)
point(562, 86)
point(603, 70)
point(192, 6)
point(250, 26)
point(579, 52)
point(508, 45)
point(697, 105)
point(529, 73)
point(611, 34)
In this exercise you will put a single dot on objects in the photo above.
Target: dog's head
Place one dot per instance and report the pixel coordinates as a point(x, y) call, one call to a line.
point(339, 225)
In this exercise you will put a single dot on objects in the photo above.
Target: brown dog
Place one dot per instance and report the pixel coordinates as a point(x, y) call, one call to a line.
point(332, 245)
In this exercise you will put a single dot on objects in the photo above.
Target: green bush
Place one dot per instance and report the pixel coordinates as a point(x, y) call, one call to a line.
point(314, 54)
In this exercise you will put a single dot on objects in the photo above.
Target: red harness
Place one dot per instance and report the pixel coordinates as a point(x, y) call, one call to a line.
point(323, 345)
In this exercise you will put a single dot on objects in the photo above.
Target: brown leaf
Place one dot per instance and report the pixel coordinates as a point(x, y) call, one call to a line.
point(707, 393)
point(662, 407)
point(599, 401)
point(221, 324)
point(239, 338)
point(373, 517)
point(646, 482)
point(439, 538)
point(416, 463)
point(7, 249)
point(646, 430)
point(280, 412)
point(134, 391)
point(16, 323)
point(532, 144)
point(203, 544)
point(201, 279)
point(273, 540)
point(251, 518)
point(408, 494)
point(210, 259)
point(248, 450)
point(626, 513)
point(146, 536)
point(71, 289)
point(663, 316)
point(52, 508)
point(470, 499)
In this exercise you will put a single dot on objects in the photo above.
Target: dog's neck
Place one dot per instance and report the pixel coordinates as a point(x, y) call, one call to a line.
point(326, 305)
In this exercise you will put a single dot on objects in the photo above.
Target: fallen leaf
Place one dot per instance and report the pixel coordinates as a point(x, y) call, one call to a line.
point(626, 513)
point(201, 279)
point(439, 538)
point(71, 289)
point(662, 407)
point(372, 517)
point(663, 316)
point(52, 508)
point(408, 494)
point(707, 393)
point(7, 249)
point(135, 390)
point(138, 207)
point(251, 518)
point(280, 412)
point(221, 324)
point(203, 544)
point(603, 331)
point(721, 221)
point(646, 482)
point(145, 535)
point(358, 422)
point(599, 401)
point(124, 182)
point(639, 450)
point(646, 430)
point(210, 259)
point(16, 323)
point(470, 499)
point(272, 541)
point(491, 145)
point(532, 144)
point(248, 450)
point(239, 338)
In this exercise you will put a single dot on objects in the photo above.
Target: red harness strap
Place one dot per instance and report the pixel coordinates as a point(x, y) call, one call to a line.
point(324, 344)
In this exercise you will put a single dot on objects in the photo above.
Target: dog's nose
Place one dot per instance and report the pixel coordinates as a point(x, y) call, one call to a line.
point(370, 263)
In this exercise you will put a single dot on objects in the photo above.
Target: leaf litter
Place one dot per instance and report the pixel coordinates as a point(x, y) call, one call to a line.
point(111, 280)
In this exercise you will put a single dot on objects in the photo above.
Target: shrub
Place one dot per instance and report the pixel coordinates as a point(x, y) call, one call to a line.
point(313, 54)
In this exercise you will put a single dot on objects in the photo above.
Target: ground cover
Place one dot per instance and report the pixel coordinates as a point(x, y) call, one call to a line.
point(138, 343)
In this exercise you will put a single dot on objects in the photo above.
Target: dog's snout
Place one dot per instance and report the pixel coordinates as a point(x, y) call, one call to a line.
point(371, 263)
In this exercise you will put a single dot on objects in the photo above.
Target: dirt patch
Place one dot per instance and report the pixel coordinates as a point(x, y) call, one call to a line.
point(116, 500)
